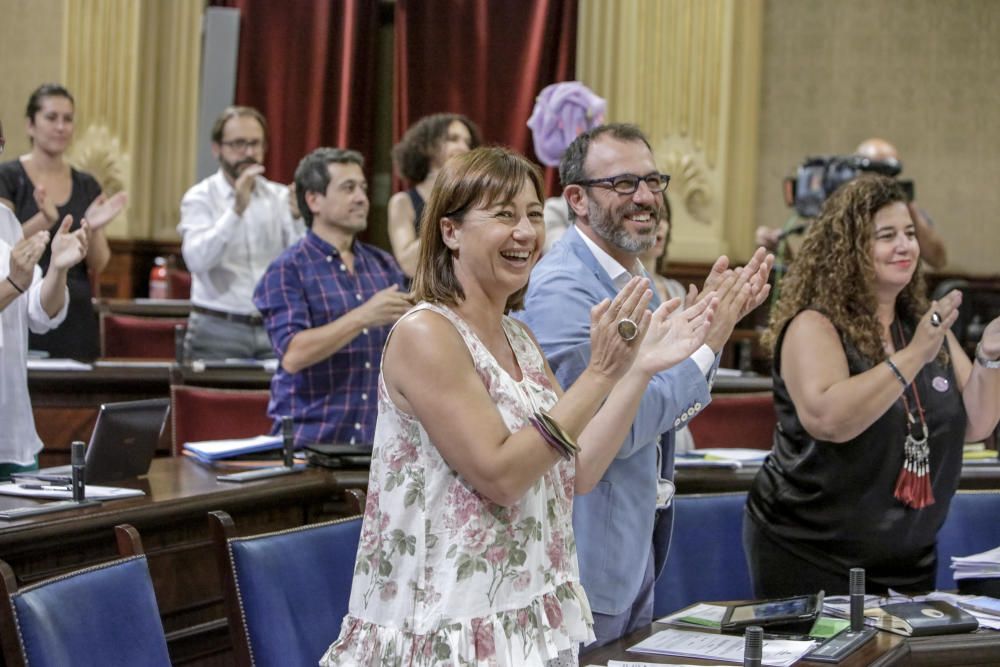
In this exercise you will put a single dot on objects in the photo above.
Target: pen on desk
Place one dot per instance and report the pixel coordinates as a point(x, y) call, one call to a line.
point(45, 487)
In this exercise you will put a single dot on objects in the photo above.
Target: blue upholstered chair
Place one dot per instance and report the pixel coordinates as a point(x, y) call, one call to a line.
point(972, 526)
point(706, 560)
point(100, 616)
point(286, 592)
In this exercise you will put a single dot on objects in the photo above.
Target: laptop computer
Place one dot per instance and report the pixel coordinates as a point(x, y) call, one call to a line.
point(122, 445)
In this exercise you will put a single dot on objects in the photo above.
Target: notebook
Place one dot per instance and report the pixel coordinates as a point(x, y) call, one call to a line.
point(919, 619)
point(122, 445)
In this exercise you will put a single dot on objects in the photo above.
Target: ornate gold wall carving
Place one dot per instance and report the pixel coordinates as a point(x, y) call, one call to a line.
point(133, 67)
point(687, 72)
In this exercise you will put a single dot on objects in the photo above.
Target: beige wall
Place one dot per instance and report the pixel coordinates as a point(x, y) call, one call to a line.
point(31, 51)
point(924, 74)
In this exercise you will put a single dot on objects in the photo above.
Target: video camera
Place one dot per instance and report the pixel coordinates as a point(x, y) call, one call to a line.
point(817, 177)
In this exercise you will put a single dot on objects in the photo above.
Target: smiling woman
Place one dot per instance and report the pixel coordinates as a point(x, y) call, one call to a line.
point(476, 461)
point(42, 189)
point(875, 398)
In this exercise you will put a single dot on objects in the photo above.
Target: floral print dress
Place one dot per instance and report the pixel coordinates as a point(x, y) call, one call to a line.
point(443, 575)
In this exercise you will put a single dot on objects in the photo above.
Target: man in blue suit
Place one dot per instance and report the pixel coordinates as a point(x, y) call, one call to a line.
point(615, 195)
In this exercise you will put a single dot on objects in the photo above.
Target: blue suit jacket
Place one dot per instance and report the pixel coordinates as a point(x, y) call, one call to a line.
point(617, 521)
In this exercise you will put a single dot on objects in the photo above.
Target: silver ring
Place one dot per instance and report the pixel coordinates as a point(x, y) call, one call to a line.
point(935, 319)
point(627, 329)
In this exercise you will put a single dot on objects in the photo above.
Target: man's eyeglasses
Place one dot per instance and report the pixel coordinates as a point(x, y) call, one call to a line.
point(626, 184)
point(242, 144)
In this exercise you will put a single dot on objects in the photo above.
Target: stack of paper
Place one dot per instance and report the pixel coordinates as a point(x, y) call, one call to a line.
point(725, 648)
point(65, 492)
point(721, 457)
point(213, 450)
point(977, 566)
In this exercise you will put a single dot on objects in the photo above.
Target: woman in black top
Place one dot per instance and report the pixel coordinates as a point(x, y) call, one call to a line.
point(418, 156)
point(41, 188)
point(874, 397)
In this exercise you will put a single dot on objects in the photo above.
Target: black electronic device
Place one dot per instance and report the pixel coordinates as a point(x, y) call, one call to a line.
point(794, 615)
point(818, 176)
point(339, 456)
point(842, 644)
point(77, 470)
point(288, 466)
point(753, 646)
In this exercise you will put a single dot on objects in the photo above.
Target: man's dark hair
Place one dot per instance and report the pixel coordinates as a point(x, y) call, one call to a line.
point(219, 127)
point(313, 174)
point(43, 91)
point(571, 165)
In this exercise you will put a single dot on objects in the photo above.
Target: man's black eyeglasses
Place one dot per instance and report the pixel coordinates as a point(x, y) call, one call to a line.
point(241, 145)
point(626, 184)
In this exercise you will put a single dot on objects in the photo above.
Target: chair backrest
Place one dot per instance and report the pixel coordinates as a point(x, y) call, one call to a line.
point(208, 413)
point(736, 421)
point(706, 559)
point(286, 592)
point(100, 616)
point(139, 337)
point(972, 526)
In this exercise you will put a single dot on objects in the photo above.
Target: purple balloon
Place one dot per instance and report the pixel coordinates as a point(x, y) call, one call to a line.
point(562, 112)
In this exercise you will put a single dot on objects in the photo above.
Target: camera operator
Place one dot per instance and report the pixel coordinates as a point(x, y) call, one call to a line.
point(932, 248)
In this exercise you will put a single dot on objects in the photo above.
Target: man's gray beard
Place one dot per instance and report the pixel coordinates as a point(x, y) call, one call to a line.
point(615, 233)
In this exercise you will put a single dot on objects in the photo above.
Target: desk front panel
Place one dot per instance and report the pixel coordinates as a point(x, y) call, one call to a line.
point(171, 519)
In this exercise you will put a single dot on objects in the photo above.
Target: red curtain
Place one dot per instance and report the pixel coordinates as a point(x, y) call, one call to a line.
point(487, 59)
point(309, 67)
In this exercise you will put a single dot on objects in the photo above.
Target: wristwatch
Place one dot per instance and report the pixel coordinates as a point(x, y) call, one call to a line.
point(983, 361)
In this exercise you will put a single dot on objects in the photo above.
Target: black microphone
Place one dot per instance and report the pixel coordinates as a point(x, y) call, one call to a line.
point(857, 591)
point(78, 468)
point(287, 441)
point(753, 646)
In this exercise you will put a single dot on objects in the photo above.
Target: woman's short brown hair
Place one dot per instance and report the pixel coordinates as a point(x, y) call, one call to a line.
point(412, 155)
point(480, 178)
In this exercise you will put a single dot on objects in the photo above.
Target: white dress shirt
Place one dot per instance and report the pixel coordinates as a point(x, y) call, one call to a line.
point(19, 442)
point(703, 356)
point(227, 254)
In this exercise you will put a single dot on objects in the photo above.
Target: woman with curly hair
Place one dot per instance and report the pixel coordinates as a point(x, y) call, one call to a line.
point(418, 156)
point(874, 399)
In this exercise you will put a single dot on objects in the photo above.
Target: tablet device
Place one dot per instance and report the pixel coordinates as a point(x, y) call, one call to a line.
point(794, 614)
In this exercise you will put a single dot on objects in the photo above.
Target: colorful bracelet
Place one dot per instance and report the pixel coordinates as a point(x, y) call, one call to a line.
point(554, 435)
point(16, 286)
point(895, 371)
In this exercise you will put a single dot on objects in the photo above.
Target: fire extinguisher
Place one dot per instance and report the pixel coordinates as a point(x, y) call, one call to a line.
point(159, 285)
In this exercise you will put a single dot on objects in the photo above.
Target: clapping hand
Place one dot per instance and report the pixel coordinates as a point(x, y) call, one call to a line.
point(104, 209)
point(68, 248)
point(24, 256)
point(243, 187)
point(617, 328)
point(935, 323)
point(675, 333)
point(990, 341)
point(46, 205)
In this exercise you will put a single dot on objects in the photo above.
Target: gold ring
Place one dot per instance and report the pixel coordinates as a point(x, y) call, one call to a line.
point(627, 329)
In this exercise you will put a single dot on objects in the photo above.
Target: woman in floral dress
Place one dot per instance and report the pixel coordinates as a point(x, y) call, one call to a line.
point(467, 554)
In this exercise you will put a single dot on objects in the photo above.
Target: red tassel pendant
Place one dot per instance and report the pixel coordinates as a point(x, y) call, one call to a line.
point(913, 486)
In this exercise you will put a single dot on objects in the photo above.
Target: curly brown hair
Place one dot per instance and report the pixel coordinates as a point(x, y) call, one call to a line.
point(834, 273)
point(412, 155)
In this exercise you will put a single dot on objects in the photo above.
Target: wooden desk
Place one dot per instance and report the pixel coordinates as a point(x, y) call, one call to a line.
point(144, 307)
point(172, 521)
point(979, 476)
point(65, 402)
point(980, 648)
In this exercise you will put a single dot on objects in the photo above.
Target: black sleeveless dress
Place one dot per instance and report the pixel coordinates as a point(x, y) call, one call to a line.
point(831, 505)
point(78, 337)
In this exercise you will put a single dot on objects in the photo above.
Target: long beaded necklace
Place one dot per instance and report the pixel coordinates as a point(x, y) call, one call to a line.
point(913, 486)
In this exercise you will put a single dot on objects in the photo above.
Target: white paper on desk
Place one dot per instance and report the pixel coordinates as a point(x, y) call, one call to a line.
point(711, 613)
point(52, 492)
point(629, 663)
point(686, 461)
point(741, 454)
point(728, 648)
point(57, 365)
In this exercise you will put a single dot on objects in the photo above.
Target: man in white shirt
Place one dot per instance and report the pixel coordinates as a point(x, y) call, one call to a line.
point(28, 301)
point(233, 225)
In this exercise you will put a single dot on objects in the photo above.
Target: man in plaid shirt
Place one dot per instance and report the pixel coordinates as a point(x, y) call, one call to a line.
point(328, 303)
